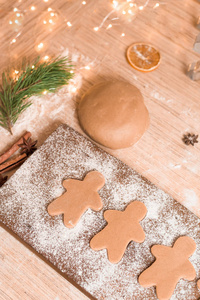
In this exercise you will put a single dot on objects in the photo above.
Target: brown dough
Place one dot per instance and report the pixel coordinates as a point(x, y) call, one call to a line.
point(170, 266)
point(113, 114)
point(80, 196)
point(198, 283)
point(122, 227)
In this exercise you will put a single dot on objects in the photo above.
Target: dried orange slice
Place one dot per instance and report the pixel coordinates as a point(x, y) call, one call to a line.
point(143, 57)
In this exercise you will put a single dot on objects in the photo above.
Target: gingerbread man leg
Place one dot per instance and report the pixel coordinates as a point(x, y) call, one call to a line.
point(115, 250)
point(115, 255)
point(165, 289)
point(147, 279)
point(69, 220)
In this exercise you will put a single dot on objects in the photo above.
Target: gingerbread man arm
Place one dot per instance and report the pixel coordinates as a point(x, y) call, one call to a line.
point(109, 215)
point(187, 270)
point(139, 234)
point(160, 250)
point(56, 207)
point(186, 245)
point(95, 181)
point(67, 183)
point(96, 201)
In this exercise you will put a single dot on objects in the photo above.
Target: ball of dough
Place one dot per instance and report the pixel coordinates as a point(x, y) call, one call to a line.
point(113, 114)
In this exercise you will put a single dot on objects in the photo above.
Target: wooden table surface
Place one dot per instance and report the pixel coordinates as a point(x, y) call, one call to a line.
point(171, 97)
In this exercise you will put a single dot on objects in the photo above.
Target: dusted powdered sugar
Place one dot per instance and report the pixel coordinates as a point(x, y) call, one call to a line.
point(67, 154)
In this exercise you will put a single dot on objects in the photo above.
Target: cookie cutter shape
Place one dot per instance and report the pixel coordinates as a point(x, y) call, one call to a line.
point(80, 196)
point(122, 227)
point(171, 265)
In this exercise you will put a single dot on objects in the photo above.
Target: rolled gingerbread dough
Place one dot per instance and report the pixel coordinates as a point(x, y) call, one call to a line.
point(113, 114)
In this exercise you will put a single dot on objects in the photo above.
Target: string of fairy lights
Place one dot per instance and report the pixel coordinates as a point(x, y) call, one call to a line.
point(120, 10)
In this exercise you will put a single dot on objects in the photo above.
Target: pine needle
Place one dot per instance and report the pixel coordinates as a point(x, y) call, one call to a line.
point(34, 79)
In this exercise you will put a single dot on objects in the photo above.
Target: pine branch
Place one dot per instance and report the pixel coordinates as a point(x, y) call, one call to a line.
point(34, 79)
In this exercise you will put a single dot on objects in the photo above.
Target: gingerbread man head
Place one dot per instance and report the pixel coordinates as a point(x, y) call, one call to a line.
point(95, 180)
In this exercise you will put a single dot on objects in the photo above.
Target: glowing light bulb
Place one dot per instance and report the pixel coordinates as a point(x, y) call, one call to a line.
point(84, 2)
point(46, 57)
point(13, 41)
point(115, 3)
point(156, 5)
point(87, 67)
point(123, 34)
point(40, 46)
point(49, 9)
point(96, 28)
point(109, 26)
point(33, 8)
point(74, 89)
point(45, 92)
point(69, 24)
point(33, 67)
point(15, 9)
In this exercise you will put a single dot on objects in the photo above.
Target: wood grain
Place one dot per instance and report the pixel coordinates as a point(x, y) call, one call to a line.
point(171, 97)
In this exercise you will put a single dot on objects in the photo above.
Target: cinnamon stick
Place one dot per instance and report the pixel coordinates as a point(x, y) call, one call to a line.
point(14, 147)
point(12, 163)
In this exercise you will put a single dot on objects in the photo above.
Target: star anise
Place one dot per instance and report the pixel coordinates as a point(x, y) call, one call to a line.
point(28, 146)
point(190, 139)
point(3, 179)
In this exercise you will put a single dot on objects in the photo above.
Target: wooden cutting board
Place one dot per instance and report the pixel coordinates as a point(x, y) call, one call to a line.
point(67, 154)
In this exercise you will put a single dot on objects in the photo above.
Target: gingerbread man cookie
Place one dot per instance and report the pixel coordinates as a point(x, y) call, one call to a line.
point(170, 266)
point(80, 196)
point(122, 227)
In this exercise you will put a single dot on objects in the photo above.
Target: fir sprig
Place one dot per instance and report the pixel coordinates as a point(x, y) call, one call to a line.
point(34, 79)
